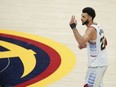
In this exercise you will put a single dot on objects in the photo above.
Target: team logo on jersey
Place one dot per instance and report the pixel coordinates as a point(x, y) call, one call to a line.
point(33, 61)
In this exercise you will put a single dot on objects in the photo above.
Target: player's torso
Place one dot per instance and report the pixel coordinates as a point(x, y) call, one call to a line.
point(97, 55)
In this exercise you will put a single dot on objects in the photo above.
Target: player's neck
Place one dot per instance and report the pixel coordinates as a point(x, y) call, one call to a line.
point(89, 24)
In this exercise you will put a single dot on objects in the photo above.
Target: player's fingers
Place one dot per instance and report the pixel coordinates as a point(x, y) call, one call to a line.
point(72, 19)
point(75, 21)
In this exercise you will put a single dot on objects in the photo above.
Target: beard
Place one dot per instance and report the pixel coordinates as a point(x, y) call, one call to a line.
point(85, 23)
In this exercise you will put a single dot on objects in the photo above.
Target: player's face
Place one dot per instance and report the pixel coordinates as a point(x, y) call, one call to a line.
point(84, 18)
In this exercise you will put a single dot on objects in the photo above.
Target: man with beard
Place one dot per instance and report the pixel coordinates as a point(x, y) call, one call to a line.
point(96, 43)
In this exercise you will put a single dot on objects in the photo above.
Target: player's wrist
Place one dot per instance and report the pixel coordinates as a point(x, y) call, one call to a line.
point(73, 26)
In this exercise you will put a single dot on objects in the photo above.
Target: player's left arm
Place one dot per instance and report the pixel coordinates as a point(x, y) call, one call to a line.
point(81, 47)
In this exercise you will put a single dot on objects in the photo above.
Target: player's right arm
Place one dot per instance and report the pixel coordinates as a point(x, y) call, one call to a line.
point(82, 40)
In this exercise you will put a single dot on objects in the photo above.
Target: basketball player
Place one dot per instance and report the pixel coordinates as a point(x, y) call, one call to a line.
point(96, 43)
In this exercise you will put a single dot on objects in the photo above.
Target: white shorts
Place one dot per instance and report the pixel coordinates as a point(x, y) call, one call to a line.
point(94, 76)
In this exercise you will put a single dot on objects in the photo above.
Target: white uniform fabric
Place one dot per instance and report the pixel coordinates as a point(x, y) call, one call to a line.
point(97, 59)
point(97, 55)
point(94, 77)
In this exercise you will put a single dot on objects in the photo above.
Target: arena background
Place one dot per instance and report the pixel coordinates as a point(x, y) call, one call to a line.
point(50, 18)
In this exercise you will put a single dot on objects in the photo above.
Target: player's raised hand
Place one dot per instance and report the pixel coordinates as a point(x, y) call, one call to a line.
point(73, 22)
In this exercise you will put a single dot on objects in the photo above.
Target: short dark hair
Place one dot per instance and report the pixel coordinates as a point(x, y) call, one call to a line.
point(90, 11)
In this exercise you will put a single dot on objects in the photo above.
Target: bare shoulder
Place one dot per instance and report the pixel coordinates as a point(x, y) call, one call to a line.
point(91, 31)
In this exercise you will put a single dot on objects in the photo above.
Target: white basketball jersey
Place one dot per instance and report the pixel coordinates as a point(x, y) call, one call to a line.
point(97, 55)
